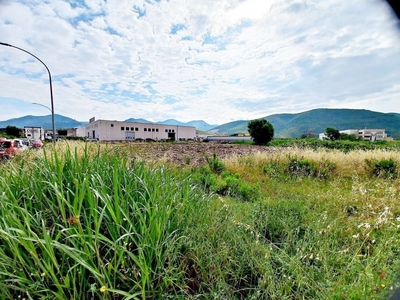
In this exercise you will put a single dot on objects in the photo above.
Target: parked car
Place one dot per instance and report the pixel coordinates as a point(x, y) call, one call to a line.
point(36, 143)
point(21, 144)
point(8, 149)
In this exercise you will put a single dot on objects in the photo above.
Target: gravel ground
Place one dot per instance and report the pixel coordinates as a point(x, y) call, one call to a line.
point(192, 154)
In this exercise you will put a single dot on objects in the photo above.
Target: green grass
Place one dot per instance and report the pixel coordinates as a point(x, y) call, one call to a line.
point(91, 223)
point(78, 227)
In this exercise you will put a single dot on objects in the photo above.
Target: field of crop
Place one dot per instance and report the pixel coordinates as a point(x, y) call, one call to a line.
point(199, 221)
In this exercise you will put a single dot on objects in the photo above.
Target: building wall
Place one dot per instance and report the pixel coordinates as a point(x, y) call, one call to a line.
point(105, 130)
point(34, 132)
point(366, 134)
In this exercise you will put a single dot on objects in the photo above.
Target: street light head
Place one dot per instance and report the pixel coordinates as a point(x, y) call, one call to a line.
point(5, 44)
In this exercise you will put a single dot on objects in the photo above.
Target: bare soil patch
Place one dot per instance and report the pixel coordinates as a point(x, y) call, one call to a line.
point(192, 154)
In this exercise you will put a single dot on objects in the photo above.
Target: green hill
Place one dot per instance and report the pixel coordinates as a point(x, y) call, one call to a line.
point(317, 120)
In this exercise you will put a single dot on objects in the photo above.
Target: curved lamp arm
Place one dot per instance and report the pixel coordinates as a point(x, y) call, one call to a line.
point(51, 86)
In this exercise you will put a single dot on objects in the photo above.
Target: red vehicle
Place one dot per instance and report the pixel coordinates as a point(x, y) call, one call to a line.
point(8, 148)
point(36, 143)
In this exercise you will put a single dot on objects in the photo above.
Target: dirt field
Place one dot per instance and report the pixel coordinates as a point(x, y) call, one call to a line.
point(191, 154)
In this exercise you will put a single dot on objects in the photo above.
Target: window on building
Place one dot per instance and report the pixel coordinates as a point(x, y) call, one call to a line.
point(156, 129)
point(136, 129)
point(132, 128)
point(173, 130)
point(149, 129)
point(127, 128)
point(112, 125)
point(153, 129)
point(145, 129)
point(122, 128)
point(166, 130)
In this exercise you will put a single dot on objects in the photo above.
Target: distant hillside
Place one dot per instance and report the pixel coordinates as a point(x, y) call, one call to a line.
point(63, 122)
point(60, 121)
point(285, 125)
point(317, 120)
point(137, 120)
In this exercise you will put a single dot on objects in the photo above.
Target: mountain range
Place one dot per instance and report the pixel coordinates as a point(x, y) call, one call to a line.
point(317, 120)
point(285, 125)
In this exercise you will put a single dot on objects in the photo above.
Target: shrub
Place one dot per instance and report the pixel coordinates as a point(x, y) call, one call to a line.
point(325, 169)
point(301, 167)
point(385, 168)
point(236, 187)
point(215, 164)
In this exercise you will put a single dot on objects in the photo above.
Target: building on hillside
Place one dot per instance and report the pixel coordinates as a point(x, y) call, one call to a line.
point(365, 134)
point(106, 130)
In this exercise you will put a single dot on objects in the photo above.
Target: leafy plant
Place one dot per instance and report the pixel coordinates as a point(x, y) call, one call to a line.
point(215, 164)
point(382, 168)
point(301, 167)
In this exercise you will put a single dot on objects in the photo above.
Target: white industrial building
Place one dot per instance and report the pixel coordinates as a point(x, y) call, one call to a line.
point(106, 130)
point(367, 134)
point(364, 134)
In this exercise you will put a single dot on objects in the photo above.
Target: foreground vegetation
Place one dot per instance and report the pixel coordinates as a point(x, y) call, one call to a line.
point(91, 222)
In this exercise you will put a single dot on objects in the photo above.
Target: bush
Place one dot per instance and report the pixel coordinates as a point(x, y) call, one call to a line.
point(236, 187)
point(385, 168)
point(225, 184)
point(215, 164)
point(303, 167)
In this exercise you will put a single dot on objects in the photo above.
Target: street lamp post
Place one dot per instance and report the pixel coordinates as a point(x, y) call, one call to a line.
point(51, 87)
point(43, 106)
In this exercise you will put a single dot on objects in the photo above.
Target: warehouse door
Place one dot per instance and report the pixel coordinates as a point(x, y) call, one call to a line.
point(129, 135)
point(171, 136)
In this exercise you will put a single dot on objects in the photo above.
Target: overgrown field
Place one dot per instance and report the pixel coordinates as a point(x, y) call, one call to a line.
point(91, 221)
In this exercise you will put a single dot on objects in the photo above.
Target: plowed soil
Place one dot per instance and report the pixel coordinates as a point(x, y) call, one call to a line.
point(192, 154)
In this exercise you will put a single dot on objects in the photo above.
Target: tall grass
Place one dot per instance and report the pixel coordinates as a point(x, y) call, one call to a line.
point(306, 237)
point(89, 222)
point(74, 226)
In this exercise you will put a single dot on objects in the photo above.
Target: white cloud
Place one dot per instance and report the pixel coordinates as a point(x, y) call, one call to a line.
point(228, 59)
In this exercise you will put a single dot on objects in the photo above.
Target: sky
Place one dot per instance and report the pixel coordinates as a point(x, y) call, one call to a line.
point(212, 60)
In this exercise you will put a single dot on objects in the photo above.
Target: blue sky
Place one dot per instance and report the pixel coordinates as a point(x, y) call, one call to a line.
point(215, 60)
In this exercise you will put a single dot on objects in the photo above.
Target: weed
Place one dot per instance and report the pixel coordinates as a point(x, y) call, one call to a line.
point(385, 168)
point(301, 167)
point(187, 160)
point(215, 164)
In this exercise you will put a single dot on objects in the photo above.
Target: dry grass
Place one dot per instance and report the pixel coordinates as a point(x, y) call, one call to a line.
point(347, 164)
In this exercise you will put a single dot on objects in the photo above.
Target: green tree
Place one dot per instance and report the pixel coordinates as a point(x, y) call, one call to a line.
point(347, 137)
point(332, 133)
point(13, 131)
point(261, 131)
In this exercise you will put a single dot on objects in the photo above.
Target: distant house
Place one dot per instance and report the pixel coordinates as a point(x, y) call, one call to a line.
point(106, 130)
point(365, 134)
